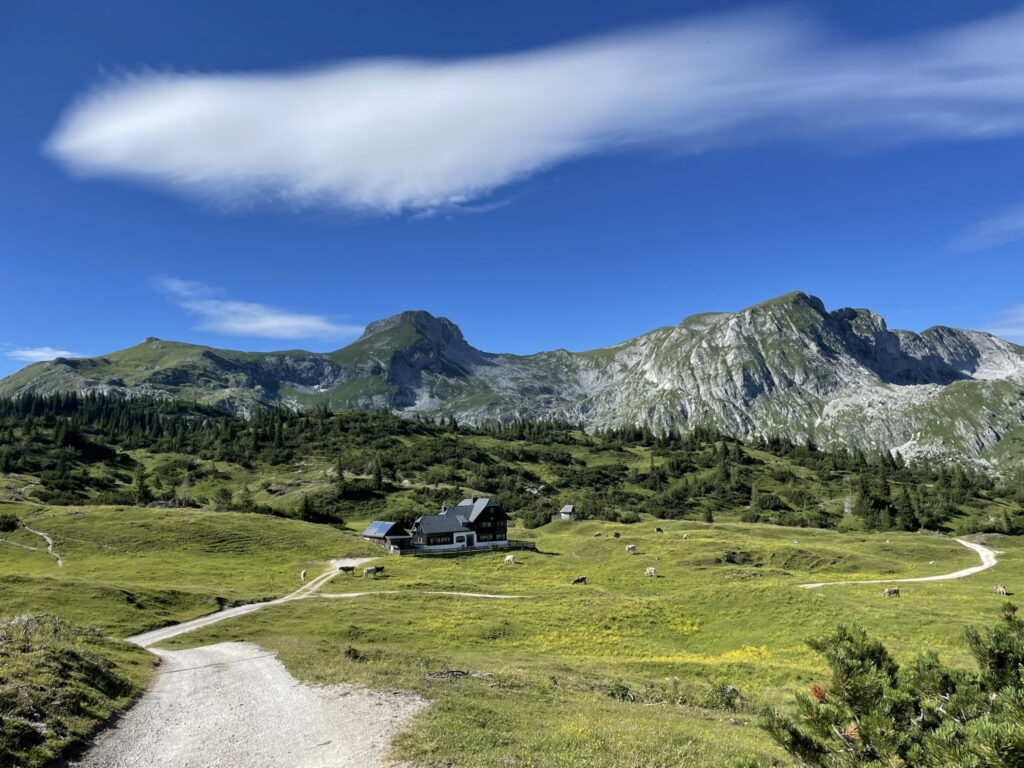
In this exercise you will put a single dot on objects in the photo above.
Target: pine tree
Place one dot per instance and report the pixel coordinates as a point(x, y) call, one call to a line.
point(873, 713)
point(140, 488)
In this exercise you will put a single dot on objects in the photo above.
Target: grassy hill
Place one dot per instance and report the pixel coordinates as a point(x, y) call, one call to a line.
point(625, 671)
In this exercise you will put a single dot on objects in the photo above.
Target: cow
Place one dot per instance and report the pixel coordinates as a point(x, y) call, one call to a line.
point(616, 534)
point(891, 592)
point(580, 580)
point(302, 577)
point(349, 569)
point(658, 530)
point(597, 534)
point(373, 570)
point(932, 562)
point(631, 549)
point(686, 536)
point(652, 572)
point(510, 559)
point(796, 541)
point(1000, 589)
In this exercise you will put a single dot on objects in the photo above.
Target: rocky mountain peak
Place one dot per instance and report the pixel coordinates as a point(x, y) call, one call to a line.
point(440, 330)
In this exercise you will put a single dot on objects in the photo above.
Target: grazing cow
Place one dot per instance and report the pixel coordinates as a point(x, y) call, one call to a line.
point(652, 572)
point(686, 535)
point(796, 541)
point(510, 559)
point(616, 534)
point(891, 592)
point(302, 577)
point(580, 580)
point(349, 569)
point(631, 549)
point(1000, 589)
point(658, 530)
point(597, 534)
point(932, 562)
point(373, 570)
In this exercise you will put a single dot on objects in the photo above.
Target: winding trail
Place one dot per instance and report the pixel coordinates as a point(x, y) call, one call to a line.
point(49, 544)
point(988, 559)
point(148, 639)
point(233, 704)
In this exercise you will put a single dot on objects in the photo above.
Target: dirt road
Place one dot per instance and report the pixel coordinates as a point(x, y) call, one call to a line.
point(233, 705)
point(988, 559)
point(147, 639)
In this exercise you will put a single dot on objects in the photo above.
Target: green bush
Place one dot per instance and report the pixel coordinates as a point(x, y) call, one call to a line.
point(874, 713)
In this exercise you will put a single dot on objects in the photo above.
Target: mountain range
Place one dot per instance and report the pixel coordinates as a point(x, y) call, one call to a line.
point(786, 367)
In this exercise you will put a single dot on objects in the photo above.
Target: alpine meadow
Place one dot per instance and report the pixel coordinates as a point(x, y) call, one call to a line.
point(602, 487)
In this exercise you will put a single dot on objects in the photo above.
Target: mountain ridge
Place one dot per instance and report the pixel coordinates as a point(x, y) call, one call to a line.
point(787, 366)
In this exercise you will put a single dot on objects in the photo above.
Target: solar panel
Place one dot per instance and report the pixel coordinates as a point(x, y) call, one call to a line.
point(377, 529)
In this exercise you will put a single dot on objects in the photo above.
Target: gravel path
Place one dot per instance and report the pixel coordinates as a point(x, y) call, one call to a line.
point(147, 639)
point(49, 545)
point(988, 559)
point(232, 705)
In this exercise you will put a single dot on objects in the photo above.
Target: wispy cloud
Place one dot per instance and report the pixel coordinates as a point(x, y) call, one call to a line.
point(398, 135)
point(38, 354)
point(242, 318)
point(1009, 324)
point(1008, 227)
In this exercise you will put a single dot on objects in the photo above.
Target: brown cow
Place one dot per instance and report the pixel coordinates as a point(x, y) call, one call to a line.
point(1000, 589)
point(891, 592)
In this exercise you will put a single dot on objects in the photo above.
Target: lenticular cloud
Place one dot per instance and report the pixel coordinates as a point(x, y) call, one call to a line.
point(393, 136)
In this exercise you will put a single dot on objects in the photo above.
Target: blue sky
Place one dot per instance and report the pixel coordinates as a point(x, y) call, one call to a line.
point(545, 174)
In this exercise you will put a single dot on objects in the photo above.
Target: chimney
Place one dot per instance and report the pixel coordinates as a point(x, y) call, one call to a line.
point(444, 508)
point(473, 499)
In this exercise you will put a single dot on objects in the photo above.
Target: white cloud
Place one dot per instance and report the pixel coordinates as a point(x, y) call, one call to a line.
point(242, 318)
point(1008, 227)
point(38, 354)
point(394, 135)
point(1010, 324)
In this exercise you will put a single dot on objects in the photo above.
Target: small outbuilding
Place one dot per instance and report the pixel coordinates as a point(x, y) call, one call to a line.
point(386, 533)
point(568, 512)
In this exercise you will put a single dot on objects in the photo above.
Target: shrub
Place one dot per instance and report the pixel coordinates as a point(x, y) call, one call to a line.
point(9, 522)
point(722, 696)
point(873, 712)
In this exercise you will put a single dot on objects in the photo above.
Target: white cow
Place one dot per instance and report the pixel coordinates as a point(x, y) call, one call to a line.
point(302, 577)
point(510, 559)
point(1000, 589)
point(652, 572)
point(630, 549)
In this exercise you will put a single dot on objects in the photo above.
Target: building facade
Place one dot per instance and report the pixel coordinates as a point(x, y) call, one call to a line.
point(472, 523)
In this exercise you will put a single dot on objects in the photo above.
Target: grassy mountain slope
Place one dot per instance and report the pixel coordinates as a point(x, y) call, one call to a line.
point(786, 367)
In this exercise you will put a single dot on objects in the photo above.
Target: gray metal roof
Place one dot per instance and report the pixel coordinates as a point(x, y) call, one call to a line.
point(447, 523)
point(470, 509)
point(568, 509)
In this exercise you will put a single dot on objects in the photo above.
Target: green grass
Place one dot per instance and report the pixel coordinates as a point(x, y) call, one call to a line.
point(58, 683)
point(129, 569)
point(550, 660)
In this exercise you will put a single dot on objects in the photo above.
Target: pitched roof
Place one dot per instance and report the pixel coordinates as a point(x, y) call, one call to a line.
point(443, 523)
point(568, 509)
point(378, 529)
point(469, 508)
